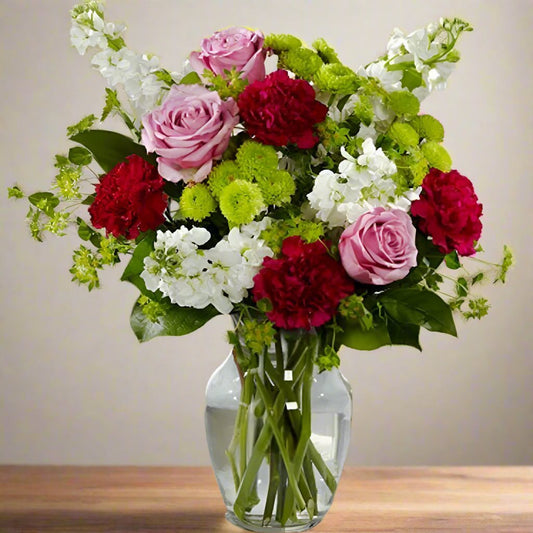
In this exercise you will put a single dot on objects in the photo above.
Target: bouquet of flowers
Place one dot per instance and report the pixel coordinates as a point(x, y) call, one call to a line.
point(270, 181)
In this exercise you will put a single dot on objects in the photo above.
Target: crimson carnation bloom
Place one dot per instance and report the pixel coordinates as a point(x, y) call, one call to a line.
point(448, 210)
point(305, 285)
point(129, 199)
point(279, 110)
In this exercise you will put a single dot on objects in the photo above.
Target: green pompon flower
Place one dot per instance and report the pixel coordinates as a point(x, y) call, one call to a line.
point(196, 202)
point(404, 103)
point(57, 223)
point(437, 156)
point(255, 159)
point(85, 268)
point(151, 309)
point(352, 308)
point(240, 202)
point(257, 335)
point(304, 62)
point(336, 78)
point(280, 42)
point(277, 187)
point(279, 230)
point(404, 135)
point(328, 359)
point(223, 174)
point(428, 127)
point(66, 182)
point(110, 247)
point(325, 51)
point(413, 168)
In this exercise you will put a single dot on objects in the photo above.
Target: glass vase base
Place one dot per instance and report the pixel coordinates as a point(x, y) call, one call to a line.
point(255, 523)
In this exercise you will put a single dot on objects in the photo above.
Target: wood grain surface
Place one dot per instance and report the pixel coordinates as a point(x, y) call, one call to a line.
point(70, 499)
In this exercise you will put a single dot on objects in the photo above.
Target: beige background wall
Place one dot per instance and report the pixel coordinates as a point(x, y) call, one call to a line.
point(75, 387)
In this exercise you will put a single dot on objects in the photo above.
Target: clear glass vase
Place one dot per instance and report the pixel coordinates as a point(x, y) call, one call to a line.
point(278, 434)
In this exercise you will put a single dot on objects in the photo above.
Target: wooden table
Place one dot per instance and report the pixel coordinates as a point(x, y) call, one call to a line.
point(39, 499)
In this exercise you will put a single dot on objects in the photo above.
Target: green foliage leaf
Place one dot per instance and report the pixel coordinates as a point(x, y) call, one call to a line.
point(175, 320)
point(405, 334)
point(190, 79)
point(419, 307)
point(134, 268)
point(79, 155)
point(45, 201)
point(110, 148)
point(452, 260)
point(427, 251)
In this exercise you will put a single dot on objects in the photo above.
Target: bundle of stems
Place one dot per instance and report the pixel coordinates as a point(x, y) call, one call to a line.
point(273, 425)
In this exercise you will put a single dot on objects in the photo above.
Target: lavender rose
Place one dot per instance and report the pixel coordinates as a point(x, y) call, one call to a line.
point(188, 131)
point(379, 247)
point(234, 47)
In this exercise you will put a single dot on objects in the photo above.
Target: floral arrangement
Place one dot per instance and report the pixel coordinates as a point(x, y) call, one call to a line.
point(270, 181)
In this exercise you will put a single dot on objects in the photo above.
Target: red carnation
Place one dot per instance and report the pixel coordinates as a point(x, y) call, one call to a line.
point(448, 210)
point(305, 285)
point(279, 110)
point(129, 199)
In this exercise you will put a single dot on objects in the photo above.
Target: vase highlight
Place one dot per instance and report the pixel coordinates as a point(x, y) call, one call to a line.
point(278, 433)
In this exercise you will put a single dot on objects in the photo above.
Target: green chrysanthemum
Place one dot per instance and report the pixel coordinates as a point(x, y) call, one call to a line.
point(325, 51)
point(197, 202)
point(255, 159)
point(437, 156)
point(279, 230)
point(304, 62)
point(280, 41)
point(336, 78)
point(404, 103)
point(241, 201)
point(277, 187)
point(404, 135)
point(222, 175)
point(428, 127)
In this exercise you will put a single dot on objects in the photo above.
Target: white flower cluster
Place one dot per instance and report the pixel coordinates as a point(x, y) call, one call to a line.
point(360, 185)
point(192, 277)
point(117, 64)
point(423, 49)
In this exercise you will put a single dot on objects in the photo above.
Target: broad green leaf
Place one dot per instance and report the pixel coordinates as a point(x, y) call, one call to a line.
point(79, 155)
point(406, 334)
point(134, 268)
point(355, 337)
point(175, 320)
point(452, 260)
point(110, 148)
point(45, 201)
point(419, 307)
point(428, 251)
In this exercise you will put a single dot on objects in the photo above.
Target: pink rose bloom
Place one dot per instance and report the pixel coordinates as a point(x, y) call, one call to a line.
point(379, 247)
point(234, 47)
point(190, 129)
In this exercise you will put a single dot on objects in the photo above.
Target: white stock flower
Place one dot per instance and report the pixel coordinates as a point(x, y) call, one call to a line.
point(360, 185)
point(135, 73)
point(391, 80)
point(220, 276)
